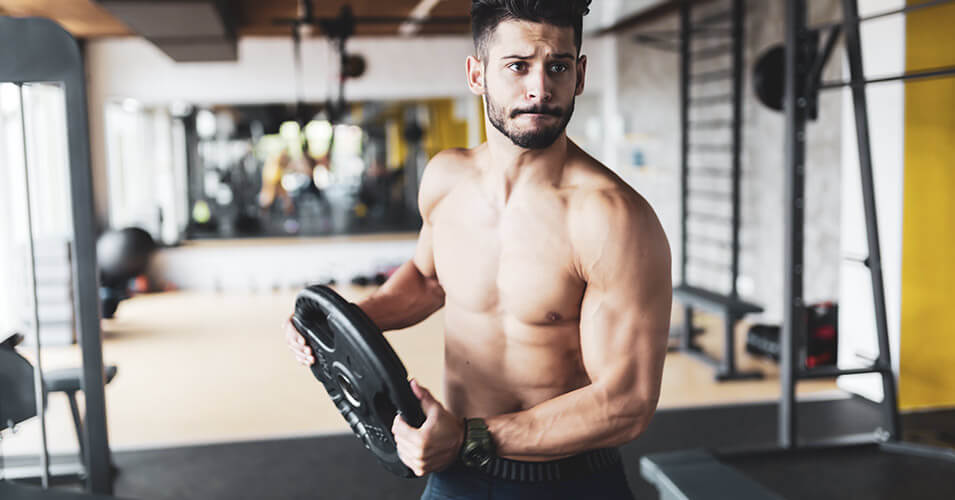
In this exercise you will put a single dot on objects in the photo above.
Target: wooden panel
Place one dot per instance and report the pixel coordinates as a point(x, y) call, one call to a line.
point(82, 18)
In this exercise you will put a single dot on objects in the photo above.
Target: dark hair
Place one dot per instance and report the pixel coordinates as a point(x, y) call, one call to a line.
point(487, 14)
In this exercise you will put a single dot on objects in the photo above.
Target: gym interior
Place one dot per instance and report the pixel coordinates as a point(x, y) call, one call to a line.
point(174, 174)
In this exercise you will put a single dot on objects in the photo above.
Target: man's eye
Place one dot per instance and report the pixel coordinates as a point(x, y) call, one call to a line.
point(517, 66)
point(558, 68)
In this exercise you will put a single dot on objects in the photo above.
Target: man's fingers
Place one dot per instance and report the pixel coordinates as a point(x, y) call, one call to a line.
point(416, 466)
point(304, 358)
point(408, 453)
point(292, 334)
point(301, 350)
point(428, 403)
point(296, 343)
point(294, 337)
point(405, 433)
point(420, 391)
point(400, 428)
point(407, 456)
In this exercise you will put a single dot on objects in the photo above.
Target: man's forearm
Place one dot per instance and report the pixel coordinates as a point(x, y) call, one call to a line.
point(580, 420)
point(407, 298)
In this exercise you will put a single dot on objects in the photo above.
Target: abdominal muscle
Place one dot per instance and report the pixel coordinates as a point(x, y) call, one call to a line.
point(496, 364)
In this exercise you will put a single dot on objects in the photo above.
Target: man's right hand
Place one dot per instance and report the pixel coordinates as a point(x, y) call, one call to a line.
point(296, 342)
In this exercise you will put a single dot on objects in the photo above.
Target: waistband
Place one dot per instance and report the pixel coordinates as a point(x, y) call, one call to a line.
point(571, 467)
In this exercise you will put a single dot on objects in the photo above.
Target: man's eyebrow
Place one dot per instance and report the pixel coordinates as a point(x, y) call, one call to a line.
point(562, 55)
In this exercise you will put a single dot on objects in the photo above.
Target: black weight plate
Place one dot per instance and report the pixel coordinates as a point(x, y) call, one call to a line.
point(359, 370)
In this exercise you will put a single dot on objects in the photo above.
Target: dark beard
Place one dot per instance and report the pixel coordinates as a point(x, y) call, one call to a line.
point(531, 139)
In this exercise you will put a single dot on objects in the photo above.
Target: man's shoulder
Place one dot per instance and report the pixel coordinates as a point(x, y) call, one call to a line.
point(596, 192)
point(602, 207)
point(444, 171)
point(609, 224)
point(452, 162)
point(608, 206)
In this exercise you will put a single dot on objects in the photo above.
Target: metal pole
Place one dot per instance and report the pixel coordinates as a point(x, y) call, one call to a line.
point(684, 139)
point(686, 342)
point(85, 297)
point(39, 390)
point(850, 10)
point(912, 75)
point(738, 43)
point(795, 105)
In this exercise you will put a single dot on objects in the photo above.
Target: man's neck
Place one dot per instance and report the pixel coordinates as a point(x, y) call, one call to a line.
point(510, 166)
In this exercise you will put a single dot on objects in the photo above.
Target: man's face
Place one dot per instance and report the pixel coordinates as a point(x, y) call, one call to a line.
point(531, 77)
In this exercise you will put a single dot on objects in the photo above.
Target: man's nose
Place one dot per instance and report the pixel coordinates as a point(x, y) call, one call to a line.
point(539, 87)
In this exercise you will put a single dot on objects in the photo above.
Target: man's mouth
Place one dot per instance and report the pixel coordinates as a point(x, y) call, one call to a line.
point(537, 114)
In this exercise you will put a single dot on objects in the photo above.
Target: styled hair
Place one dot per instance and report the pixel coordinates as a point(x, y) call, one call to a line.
point(487, 14)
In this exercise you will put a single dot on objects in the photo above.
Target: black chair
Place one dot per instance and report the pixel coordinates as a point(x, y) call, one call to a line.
point(16, 389)
point(67, 381)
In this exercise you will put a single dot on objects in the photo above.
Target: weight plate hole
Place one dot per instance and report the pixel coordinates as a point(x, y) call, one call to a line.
point(348, 390)
point(316, 326)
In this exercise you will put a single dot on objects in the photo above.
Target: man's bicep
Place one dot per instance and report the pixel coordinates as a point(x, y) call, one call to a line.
point(433, 187)
point(424, 252)
point(625, 313)
point(624, 335)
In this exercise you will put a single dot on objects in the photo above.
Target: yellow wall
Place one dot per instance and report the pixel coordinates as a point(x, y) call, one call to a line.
point(446, 131)
point(927, 349)
point(480, 105)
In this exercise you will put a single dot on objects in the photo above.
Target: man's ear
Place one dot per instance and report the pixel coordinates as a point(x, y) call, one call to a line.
point(581, 74)
point(475, 69)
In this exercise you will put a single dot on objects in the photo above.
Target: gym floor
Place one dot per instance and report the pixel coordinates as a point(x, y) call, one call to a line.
point(337, 466)
point(199, 367)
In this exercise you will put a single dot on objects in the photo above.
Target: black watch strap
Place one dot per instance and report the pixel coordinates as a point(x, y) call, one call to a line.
point(478, 448)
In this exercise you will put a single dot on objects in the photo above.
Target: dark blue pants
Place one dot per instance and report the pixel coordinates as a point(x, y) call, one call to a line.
point(461, 483)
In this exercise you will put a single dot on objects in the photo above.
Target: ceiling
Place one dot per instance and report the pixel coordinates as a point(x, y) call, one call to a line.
point(82, 18)
point(89, 19)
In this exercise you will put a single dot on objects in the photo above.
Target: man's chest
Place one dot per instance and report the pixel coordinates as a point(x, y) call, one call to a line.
point(516, 261)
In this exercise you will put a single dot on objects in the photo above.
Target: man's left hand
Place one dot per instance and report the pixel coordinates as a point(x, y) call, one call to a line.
point(435, 445)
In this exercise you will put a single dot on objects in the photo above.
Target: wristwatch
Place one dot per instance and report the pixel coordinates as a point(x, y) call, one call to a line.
point(477, 449)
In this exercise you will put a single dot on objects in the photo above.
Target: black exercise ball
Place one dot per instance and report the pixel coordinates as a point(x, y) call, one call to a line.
point(768, 77)
point(123, 255)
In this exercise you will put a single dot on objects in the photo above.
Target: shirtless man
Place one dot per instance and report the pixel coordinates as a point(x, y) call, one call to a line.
point(554, 276)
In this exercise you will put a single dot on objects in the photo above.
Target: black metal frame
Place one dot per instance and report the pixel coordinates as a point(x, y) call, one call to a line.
point(731, 307)
point(803, 68)
point(39, 50)
point(698, 473)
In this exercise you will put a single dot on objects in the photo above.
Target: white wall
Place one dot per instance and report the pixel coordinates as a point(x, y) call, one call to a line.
point(264, 72)
point(883, 53)
point(263, 267)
